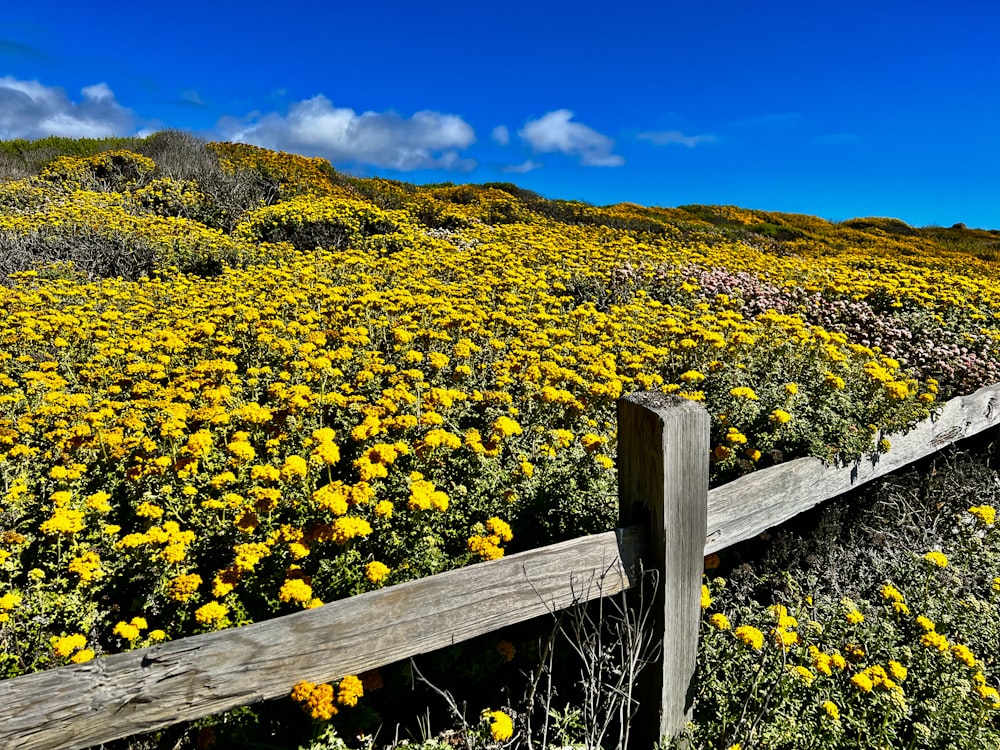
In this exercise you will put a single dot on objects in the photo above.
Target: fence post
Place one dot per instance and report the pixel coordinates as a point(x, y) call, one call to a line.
point(663, 452)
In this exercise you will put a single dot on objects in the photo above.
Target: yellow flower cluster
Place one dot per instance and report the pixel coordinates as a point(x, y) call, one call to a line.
point(487, 544)
point(321, 701)
point(501, 726)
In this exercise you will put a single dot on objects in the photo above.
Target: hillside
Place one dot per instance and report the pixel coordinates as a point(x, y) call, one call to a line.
point(235, 383)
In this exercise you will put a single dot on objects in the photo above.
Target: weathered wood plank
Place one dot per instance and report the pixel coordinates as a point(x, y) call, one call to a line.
point(124, 694)
point(749, 505)
point(663, 445)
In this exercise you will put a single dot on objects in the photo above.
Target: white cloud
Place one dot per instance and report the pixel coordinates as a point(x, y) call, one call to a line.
point(667, 137)
point(501, 135)
point(98, 92)
point(427, 140)
point(29, 109)
point(522, 168)
point(554, 132)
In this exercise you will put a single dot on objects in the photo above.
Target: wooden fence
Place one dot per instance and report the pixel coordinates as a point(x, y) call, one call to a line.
point(669, 519)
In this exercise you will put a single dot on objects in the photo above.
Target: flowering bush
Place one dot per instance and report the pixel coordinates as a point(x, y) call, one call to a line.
point(869, 642)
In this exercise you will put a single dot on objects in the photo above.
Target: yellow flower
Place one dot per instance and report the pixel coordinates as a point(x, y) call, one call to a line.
point(821, 661)
point(59, 499)
point(891, 593)
point(350, 690)
point(265, 472)
point(897, 670)
point(785, 638)
point(854, 617)
point(831, 710)
point(183, 587)
point(706, 597)
point(780, 417)
point(989, 694)
point(332, 497)
point(506, 427)
point(501, 725)
point(751, 636)
point(937, 558)
point(563, 438)
point(500, 528)
point(212, 613)
point(862, 682)
point(437, 360)
point(735, 437)
point(720, 621)
point(199, 444)
point(87, 566)
point(804, 674)
point(149, 510)
point(935, 641)
point(126, 630)
point(63, 521)
point(349, 527)
point(295, 590)
point(964, 654)
point(834, 382)
point(487, 547)
point(10, 600)
point(985, 513)
point(65, 645)
point(316, 699)
point(82, 656)
point(897, 390)
point(376, 571)
point(98, 502)
point(326, 452)
point(242, 451)
point(225, 581)
point(295, 467)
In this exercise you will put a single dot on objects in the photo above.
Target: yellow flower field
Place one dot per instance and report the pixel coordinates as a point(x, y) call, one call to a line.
point(376, 382)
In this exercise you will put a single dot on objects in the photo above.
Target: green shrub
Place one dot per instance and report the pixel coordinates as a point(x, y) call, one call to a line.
point(878, 630)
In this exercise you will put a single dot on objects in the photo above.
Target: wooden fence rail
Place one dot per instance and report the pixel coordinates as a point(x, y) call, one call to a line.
point(669, 519)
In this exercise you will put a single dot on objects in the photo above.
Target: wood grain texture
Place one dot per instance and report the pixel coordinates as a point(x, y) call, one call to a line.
point(117, 696)
point(663, 445)
point(749, 505)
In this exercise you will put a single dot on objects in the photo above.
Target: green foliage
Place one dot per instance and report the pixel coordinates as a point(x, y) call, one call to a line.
point(22, 158)
point(889, 616)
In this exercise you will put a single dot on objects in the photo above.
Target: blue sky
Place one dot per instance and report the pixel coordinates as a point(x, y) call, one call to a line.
point(834, 109)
